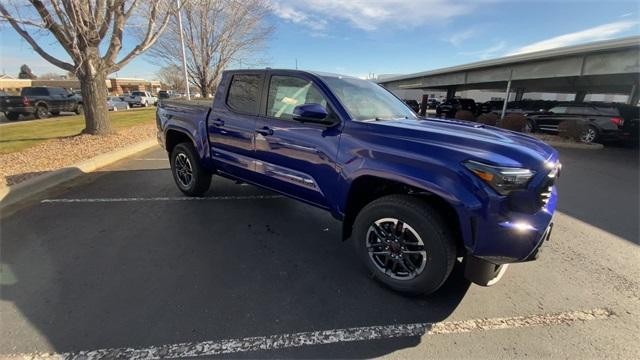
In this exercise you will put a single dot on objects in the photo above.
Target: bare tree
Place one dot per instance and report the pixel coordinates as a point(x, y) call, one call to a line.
point(216, 33)
point(172, 76)
point(25, 72)
point(52, 76)
point(83, 28)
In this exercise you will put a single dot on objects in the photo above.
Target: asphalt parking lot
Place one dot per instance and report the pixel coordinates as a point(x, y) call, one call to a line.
point(121, 261)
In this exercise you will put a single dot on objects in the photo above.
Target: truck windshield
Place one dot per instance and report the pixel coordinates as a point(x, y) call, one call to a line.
point(366, 100)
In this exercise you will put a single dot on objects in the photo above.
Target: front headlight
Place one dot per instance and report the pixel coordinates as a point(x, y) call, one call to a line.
point(501, 179)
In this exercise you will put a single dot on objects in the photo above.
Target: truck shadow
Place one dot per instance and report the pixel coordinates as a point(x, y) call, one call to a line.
point(96, 275)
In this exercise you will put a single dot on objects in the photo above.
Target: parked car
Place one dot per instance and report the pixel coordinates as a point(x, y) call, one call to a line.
point(432, 103)
point(141, 98)
point(490, 106)
point(449, 107)
point(40, 102)
point(413, 105)
point(413, 194)
point(605, 121)
point(116, 103)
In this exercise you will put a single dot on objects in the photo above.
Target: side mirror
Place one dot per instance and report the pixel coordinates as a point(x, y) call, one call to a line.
point(313, 113)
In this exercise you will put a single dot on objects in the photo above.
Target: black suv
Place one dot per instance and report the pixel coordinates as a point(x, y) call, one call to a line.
point(413, 104)
point(40, 102)
point(449, 107)
point(605, 121)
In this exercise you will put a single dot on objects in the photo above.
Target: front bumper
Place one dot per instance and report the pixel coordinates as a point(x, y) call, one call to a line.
point(512, 229)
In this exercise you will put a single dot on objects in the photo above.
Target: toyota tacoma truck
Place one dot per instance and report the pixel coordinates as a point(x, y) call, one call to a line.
point(415, 195)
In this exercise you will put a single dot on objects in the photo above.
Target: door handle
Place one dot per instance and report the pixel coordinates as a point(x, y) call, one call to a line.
point(218, 122)
point(266, 131)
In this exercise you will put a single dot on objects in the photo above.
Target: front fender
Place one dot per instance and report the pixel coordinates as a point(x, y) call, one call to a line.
point(446, 182)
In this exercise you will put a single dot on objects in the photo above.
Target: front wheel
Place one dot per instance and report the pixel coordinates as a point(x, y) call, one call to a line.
point(79, 109)
point(405, 244)
point(188, 174)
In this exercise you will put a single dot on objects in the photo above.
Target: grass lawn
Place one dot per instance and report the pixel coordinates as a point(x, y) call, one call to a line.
point(24, 134)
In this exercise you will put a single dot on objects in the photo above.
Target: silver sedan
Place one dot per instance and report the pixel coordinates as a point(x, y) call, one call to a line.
point(115, 103)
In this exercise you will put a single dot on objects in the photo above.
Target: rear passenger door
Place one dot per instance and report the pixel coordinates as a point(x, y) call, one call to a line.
point(58, 99)
point(232, 123)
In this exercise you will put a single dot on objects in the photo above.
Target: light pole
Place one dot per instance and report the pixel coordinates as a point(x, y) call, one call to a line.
point(184, 56)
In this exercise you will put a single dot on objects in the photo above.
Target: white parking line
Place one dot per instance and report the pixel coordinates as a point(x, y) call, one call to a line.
point(209, 198)
point(283, 341)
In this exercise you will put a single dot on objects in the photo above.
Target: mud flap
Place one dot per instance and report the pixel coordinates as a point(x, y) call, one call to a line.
point(482, 272)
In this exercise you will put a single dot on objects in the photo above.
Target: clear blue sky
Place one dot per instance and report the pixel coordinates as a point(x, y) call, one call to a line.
point(398, 36)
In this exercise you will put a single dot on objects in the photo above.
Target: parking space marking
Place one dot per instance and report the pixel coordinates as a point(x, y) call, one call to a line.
point(283, 341)
point(131, 199)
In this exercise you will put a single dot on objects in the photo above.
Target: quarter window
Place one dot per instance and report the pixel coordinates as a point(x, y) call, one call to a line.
point(286, 92)
point(243, 93)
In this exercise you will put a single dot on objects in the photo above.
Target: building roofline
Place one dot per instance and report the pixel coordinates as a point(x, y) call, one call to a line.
point(628, 42)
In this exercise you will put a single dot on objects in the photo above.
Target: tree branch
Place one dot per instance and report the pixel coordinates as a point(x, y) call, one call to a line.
point(59, 63)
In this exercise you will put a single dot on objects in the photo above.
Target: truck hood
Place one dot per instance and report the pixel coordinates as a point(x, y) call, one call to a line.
point(473, 140)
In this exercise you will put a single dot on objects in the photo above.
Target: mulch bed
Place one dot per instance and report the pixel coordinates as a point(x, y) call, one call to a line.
point(59, 153)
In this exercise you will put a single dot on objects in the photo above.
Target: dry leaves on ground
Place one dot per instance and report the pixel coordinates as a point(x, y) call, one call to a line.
point(58, 153)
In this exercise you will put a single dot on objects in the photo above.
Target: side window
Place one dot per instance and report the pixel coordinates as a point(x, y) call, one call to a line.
point(559, 110)
point(286, 92)
point(56, 92)
point(243, 93)
point(579, 110)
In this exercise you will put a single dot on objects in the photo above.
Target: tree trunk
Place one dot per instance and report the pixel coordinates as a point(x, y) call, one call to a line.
point(204, 89)
point(94, 98)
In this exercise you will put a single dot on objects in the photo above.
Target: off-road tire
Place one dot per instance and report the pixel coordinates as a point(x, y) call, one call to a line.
point(438, 239)
point(200, 178)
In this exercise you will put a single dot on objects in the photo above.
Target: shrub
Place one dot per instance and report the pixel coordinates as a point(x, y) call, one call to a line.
point(572, 129)
point(514, 122)
point(465, 115)
point(488, 119)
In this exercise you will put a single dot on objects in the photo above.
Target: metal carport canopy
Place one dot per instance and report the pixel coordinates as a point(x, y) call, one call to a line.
point(611, 66)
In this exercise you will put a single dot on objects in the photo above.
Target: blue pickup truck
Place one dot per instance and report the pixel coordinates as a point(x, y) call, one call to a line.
point(415, 195)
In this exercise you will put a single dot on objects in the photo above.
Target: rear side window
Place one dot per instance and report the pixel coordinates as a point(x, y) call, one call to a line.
point(609, 111)
point(34, 92)
point(243, 93)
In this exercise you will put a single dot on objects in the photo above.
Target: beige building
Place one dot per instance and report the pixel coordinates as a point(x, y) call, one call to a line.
point(115, 86)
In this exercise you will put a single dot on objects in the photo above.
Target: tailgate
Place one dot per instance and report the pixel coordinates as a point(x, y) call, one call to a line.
point(10, 101)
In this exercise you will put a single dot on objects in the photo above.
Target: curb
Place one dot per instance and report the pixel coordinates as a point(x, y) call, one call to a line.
point(10, 195)
point(568, 145)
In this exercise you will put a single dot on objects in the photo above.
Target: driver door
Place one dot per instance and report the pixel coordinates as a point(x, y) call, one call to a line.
point(293, 157)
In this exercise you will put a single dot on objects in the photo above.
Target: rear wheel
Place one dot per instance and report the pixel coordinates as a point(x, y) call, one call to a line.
point(405, 244)
point(12, 116)
point(79, 109)
point(528, 126)
point(189, 176)
point(590, 135)
point(41, 112)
